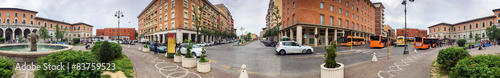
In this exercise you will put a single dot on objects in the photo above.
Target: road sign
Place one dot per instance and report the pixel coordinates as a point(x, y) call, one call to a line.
point(305, 35)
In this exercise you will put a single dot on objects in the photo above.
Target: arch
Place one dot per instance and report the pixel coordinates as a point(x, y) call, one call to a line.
point(8, 34)
point(25, 33)
point(31, 22)
point(1, 32)
point(15, 21)
point(24, 21)
point(8, 21)
point(34, 31)
point(17, 33)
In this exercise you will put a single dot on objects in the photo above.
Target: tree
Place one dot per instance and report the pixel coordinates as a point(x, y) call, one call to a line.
point(477, 37)
point(136, 33)
point(44, 33)
point(493, 32)
point(248, 35)
point(58, 32)
point(197, 21)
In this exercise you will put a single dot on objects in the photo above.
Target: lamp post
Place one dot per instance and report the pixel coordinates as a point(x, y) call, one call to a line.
point(118, 15)
point(406, 46)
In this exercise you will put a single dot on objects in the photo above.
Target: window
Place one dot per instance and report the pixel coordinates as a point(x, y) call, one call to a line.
point(192, 26)
point(340, 1)
point(0, 14)
point(293, 19)
point(172, 13)
point(78, 27)
point(31, 22)
point(331, 21)
point(439, 29)
point(470, 26)
point(340, 22)
point(51, 26)
point(459, 28)
point(331, 8)
point(166, 7)
point(346, 24)
point(185, 3)
point(491, 23)
point(31, 16)
point(346, 13)
point(352, 7)
point(444, 29)
point(193, 16)
point(192, 7)
point(483, 23)
point(321, 5)
point(173, 3)
point(340, 12)
point(166, 26)
point(498, 15)
point(185, 25)
point(185, 14)
point(24, 15)
point(38, 22)
point(15, 14)
point(166, 16)
point(352, 25)
point(293, 5)
point(347, 4)
point(476, 25)
point(357, 26)
point(352, 15)
point(321, 19)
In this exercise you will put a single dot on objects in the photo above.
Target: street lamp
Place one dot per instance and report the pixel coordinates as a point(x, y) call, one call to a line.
point(118, 15)
point(406, 46)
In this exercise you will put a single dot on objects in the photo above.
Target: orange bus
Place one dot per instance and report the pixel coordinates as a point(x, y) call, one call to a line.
point(425, 43)
point(378, 41)
point(349, 40)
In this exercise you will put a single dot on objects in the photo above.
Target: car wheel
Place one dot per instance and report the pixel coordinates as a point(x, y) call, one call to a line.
point(308, 51)
point(282, 52)
point(194, 54)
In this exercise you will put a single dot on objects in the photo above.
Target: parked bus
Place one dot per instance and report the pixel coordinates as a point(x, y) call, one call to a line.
point(378, 41)
point(425, 43)
point(349, 40)
point(400, 40)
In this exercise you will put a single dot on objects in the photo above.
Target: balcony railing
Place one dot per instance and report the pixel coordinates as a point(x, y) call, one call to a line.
point(18, 24)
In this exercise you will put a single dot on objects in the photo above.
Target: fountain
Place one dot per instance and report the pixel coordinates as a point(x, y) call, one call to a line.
point(29, 52)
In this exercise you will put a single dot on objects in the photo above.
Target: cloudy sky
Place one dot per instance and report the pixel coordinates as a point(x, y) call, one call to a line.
point(250, 14)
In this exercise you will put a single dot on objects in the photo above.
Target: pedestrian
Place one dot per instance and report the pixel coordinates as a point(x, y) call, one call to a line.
point(156, 47)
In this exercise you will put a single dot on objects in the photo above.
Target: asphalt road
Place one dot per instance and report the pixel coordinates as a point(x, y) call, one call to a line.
point(263, 61)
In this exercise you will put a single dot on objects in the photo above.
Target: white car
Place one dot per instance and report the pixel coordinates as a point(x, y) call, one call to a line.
point(203, 44)
point(285, 47)
point(210, 43)
point(195, 51)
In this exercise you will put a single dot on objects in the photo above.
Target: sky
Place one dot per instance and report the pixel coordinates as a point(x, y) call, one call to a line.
point(250, 14)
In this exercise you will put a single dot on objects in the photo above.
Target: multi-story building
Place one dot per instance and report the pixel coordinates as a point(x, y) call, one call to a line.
point(388, 28)
point(273, 11)
point(310, 22)
point(462, 30)
point(124, 33)
point(379, 19)
point(412, 32)
point(162, 17)
point(15, 22)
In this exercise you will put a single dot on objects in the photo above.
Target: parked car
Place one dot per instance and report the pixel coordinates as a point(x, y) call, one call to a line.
point(161, 48)
point(210, 43)
point(285, 47)
point(203, 44)
point(195, 51)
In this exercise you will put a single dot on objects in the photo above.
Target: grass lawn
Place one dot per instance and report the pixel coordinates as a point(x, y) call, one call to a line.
point(125, 65)
point(247, 41)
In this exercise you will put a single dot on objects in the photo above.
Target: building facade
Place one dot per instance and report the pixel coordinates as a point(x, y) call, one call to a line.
point(15, 22)
point(462, 30)
point(273, 11)
point(389, 31)
point(379, 19)
point(162, 17)
point(318, 22)
point(124, 33)
point(412, 32)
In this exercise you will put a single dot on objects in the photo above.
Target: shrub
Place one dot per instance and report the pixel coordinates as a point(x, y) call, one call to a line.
point(461, 42)
point(188, 48)
point(117, 48)
point(71, 57)
point(106, 53)
point(76, 40)
point(202, 59)
point(480, 66)
point(449, 57)
point(331, 53)
point(7, 67)
point(2, 39)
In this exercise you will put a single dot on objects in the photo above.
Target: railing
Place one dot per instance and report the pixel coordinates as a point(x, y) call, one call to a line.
point(18, 24)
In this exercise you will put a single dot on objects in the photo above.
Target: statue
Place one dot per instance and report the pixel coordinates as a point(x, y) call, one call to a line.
point(33, 38)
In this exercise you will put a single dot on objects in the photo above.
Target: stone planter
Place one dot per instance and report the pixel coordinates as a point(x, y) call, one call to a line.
point(332, 72)
point(178, 58)
point(145, 50)
point(203, 67)
point(188, 62)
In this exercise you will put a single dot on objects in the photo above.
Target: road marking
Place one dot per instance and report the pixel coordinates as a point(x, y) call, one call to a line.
point(272, 56)
point(319, 56)
point(214, 61)
point(227, 67)
point(300, 57)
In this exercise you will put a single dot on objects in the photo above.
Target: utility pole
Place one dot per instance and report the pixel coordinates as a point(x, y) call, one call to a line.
point(118, 15)
point(406, 46)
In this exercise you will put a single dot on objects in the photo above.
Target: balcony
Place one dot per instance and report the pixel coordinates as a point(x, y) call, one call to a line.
point(17, 24)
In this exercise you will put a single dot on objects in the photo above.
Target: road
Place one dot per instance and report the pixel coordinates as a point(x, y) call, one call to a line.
point(263, 61)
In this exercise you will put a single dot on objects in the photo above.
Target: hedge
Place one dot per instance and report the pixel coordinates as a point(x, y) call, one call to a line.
point(448, 58)
point(117, 48)
point(106, 53)
point(76, 40)
point(7, 67)
point(71, 57)
point(480, 66)
point(461, 42)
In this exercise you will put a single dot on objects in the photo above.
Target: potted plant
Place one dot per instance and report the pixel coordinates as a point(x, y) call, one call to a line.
point(332, 69)
point(203, 64)
point(146, 48)
point(189, 61)
point(178, 56)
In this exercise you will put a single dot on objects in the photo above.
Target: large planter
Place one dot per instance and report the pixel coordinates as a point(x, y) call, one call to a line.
point(178, 58)
point(203, 67)
point(332, 72)
point(188, 62)
point(145, 50)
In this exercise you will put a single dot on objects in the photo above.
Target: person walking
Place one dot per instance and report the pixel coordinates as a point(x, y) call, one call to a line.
point(156, 47)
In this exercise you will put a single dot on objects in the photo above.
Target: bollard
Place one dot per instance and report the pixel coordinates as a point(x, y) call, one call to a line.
point(243, 72)
point(415, 50)
point(374, 59)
